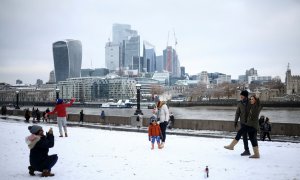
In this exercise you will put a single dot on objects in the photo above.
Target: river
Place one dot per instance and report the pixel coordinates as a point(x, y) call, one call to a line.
point(275, 114)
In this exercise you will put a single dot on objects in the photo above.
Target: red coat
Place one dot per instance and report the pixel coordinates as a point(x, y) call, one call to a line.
point(154, 130)
point(61, 109)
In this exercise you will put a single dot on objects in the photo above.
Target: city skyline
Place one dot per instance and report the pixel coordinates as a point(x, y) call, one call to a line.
point(215, 36)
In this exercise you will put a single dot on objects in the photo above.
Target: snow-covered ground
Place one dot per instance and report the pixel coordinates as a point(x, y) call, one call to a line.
point(103, 154)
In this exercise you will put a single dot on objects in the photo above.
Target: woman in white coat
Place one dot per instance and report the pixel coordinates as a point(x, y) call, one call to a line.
point(163, 116)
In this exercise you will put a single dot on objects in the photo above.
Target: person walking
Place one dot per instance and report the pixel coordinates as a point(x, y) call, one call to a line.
point(60, 109)
point(81, 116)
point(163, 116)
point(27, 115)
point(102, 116)
point(261, 122)
point(38, 115)
point(39, 145)
point(266, 129)
point(251, 127)
point(241, 113)
point(154, 133)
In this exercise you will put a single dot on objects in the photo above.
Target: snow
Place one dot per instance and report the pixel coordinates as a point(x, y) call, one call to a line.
point(104, 154)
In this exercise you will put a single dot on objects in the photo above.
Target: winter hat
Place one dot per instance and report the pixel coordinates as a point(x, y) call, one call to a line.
point(156, 98)
point(244, 93)
point(34, 129)
point(153, 118)
point(59, 101)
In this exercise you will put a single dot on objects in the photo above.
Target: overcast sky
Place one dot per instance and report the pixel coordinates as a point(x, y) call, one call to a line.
point(213, 35)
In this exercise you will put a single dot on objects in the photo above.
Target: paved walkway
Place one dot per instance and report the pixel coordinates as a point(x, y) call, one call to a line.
point(181, 132)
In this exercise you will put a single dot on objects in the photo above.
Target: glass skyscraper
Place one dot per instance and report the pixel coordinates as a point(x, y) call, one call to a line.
point(67, 56)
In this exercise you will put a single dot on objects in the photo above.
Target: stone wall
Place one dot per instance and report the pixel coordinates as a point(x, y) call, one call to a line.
point(287, 129)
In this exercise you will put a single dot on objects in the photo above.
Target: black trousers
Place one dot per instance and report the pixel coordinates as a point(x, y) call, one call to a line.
point(252, 133)
point(163, 127)
point(245, 139)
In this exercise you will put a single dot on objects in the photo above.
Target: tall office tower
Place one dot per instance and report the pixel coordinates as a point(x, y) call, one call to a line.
point(182, 71)
point(67, 56)
point(149, 57)
point(112, 56)
point(171, 62)
point(131, 49)
point(129, 42)
point(122, 32)
point(159, 63)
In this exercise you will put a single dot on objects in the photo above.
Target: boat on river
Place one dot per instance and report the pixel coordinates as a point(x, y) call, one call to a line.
point(119, 104)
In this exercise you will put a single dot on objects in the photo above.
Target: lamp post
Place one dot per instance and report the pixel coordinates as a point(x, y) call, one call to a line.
point(138, 99)
point(57, 93)
point(17, 106)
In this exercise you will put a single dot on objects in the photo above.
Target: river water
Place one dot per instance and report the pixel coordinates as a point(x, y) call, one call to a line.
point(283, 115)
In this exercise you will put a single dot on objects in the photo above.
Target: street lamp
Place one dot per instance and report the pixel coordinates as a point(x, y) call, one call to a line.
point(57, 93)
point(138, 99)
point(17, 106)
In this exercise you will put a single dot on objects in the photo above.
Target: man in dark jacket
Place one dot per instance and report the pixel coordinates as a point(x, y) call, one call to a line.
point(241, 113)
point(39, 145)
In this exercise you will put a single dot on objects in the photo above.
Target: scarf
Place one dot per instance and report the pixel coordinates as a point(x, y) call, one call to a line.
point(32, 140)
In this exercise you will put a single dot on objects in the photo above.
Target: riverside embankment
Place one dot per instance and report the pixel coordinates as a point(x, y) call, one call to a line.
point(285, 129)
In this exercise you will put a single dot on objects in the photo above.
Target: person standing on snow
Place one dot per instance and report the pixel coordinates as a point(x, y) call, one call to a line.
point(154, 133)
point(81, 116)
point(163, 116)
point(267, 129)
point(60, 109)
point(39, 145)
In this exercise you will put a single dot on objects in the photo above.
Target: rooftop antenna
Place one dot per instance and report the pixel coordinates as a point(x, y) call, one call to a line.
point(168, 38)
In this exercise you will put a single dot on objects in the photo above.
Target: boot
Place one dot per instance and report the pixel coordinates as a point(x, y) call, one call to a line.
point(256, 153)
point(246, 153)
point(66, 135)
point(159, 146)
point(231, 145)
point(31, 171)
point(46, 173)
point(162, 145)
point(152, 146)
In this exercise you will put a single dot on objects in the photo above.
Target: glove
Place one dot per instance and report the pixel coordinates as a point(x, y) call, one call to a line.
point(50, 131)
point(235, 124)
point(149, 138)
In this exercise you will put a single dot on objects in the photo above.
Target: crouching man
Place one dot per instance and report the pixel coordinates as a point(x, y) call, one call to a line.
point(39, 145)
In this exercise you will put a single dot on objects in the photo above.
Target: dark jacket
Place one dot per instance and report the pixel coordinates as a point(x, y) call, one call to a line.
point(267, 127)
point(39, 158)
point(27, 115)
point(241, 111)
point(253, 115)
point(81, 116)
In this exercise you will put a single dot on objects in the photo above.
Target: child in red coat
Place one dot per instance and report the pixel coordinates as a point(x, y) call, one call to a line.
point(154, 133)
point(60, 109)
